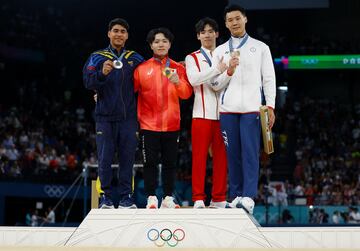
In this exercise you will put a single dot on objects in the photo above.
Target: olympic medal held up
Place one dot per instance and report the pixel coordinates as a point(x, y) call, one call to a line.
point(168, 71)
point(117, 64)
point(235, 54)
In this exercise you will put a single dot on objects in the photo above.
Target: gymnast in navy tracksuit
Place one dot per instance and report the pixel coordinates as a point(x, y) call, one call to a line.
point(115, 111)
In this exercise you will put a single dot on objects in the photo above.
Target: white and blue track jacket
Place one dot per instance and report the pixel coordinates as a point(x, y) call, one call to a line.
point(242, 92)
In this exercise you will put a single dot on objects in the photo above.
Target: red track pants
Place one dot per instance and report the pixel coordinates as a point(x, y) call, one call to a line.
point(206, 133)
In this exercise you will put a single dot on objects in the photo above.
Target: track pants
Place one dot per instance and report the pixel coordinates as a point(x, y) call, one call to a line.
point(206, 133)
point(120, 136)
point(241, 134)
point(159, 147)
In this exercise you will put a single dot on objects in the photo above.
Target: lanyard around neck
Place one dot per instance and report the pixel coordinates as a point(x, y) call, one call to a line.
point(119, 58)
point(167, 64)
point(208, 60)
point(243, 41)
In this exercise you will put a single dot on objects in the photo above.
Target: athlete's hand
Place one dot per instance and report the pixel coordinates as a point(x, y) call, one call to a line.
point(174, 78)
point(233, 63)
point(107, 67)
point(221, 65)
point(271, 118)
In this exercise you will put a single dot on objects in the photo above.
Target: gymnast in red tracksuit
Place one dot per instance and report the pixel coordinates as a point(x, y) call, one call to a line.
point(205, 131)
point(161, 83)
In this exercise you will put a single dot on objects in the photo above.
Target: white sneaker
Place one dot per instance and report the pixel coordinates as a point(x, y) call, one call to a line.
point(168, 202)
point(219, 204)
point(247, 204)
point(152, 202)
point(234, 203)
point(199, 204)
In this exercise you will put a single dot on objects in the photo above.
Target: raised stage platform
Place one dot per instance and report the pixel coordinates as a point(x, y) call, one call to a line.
point(180, 228)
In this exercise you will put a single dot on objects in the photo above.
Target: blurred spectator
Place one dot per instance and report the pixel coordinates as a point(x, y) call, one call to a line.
point(278, 194)
point(50, 216)
point(336, 217)
point(323, 216)
point(354, 215)
point(287, 217)
point(318, 216)
point(28, 218)
point(35, 218)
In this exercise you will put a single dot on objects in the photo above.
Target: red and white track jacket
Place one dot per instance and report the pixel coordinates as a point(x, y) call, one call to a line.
point(199, 72)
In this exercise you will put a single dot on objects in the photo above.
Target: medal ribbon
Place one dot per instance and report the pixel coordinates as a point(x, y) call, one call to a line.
point(114, 54)
point(167, 64)
point(166, 70)
point(243, 41)
point(206, 56)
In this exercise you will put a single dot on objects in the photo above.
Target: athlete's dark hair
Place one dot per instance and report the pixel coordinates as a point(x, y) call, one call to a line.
point(119, 21)
point(200, 26)
point(234, 7)
point(152, 33)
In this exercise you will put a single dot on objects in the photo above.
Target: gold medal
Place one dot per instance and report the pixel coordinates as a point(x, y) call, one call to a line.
point(168, 71)
point(235, 54)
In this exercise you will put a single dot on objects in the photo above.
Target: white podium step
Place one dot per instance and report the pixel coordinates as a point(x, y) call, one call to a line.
point(183, 228)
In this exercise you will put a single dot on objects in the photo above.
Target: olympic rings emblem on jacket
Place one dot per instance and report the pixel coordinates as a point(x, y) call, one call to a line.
point(54, 191)
point(171, 238)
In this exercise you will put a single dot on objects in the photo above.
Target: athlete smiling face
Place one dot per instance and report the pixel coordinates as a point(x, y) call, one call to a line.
point(160, 46)
point(118, 35)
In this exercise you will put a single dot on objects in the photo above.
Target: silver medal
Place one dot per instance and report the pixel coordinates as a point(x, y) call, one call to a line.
point(117, 64)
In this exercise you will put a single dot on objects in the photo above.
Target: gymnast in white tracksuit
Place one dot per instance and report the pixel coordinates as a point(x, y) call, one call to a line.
point(248, 82)
point(205, 128)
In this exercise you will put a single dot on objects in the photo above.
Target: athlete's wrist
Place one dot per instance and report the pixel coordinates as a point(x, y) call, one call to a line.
point(230, 72)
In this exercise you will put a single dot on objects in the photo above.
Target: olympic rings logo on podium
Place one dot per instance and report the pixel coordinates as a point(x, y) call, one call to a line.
point(171, 238)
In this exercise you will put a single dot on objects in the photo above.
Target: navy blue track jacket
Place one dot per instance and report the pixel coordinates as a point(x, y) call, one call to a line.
point(115, 92)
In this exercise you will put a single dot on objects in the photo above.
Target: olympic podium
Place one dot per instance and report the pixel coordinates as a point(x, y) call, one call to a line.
point(168, 227)
point(186, 228)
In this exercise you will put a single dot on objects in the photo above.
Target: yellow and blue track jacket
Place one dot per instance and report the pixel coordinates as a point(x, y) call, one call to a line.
point(115, 92)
